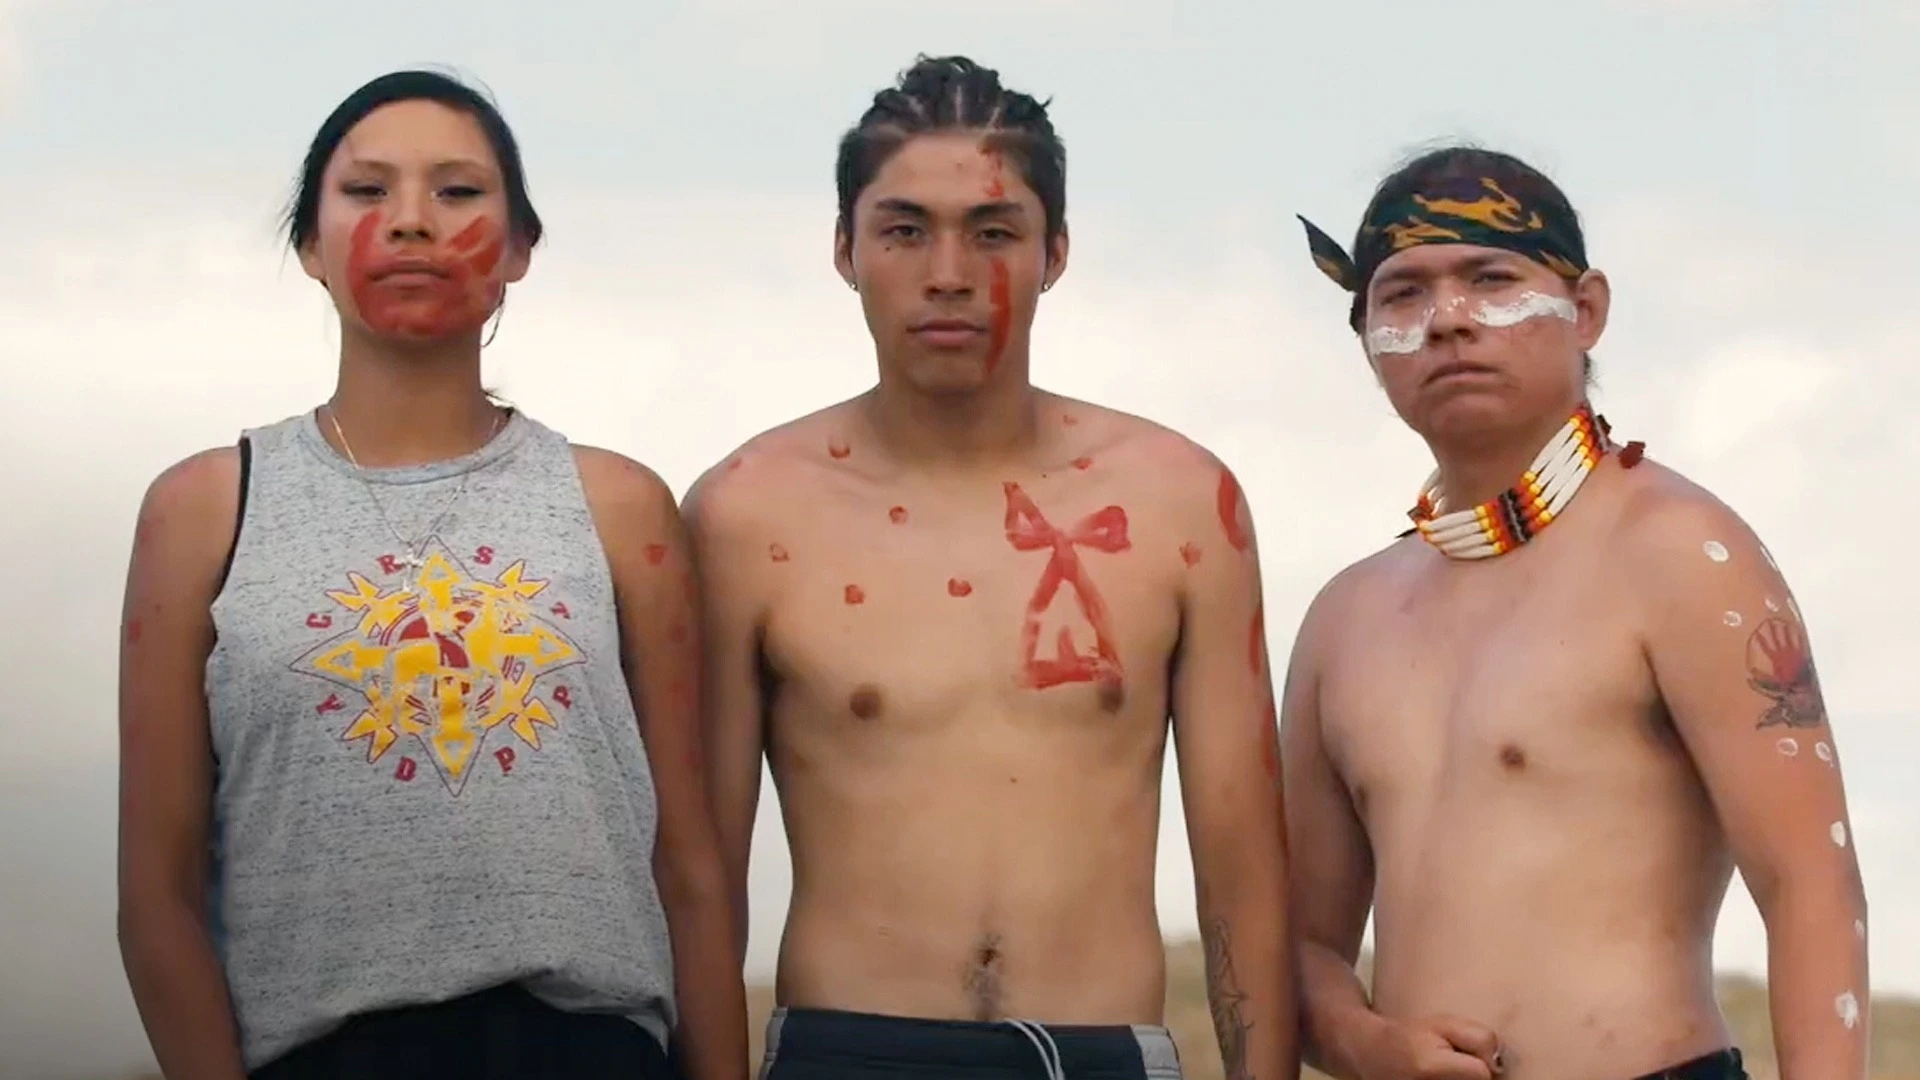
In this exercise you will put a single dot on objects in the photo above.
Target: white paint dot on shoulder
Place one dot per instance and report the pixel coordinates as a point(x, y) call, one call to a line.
point(1860, 929)
point(1788, 747)
point(1847, 1007)
point(1823, 752)
point(1773, 605)
point(1838, 830)
point(1732, 618)
point(1715, 550)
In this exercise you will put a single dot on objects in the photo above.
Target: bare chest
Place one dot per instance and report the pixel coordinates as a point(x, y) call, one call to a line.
point(1041, 605)
point(1535, 679)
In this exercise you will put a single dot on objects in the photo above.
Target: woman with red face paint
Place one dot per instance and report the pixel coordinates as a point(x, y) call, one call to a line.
point(410, 782)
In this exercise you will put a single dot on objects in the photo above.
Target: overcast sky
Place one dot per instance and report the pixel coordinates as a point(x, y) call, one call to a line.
point(1745, 170)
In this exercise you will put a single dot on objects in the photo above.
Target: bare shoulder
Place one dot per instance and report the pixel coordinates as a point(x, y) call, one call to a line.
point(1349, 598)
point(769, 475)
point(1668, 523)
point(618, 485)
point(1163, 468)
point(189, 510)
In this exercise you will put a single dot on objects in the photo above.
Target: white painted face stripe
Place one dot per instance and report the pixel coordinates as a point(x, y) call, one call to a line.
point(1398, 340)
point(1401, 340)
point(1529, 305)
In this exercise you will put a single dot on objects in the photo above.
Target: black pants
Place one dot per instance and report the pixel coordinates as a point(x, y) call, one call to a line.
point(1719, 1065)
point(500, 1034)
point(824, 1044)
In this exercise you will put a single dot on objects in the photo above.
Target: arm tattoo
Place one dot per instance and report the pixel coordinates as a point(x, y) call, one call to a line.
point(1780, 667)
point(1225, 997)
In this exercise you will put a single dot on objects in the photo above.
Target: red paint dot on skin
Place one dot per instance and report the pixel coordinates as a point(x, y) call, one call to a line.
point(958, 587)
point(1069, 419)
point(656, 554)
point(1083, 463)
point(897, 515)
point(734, 463)
point(856, 595)
point(777, 553)
point(1190, 553)
point(133, 632)
point(838, 449)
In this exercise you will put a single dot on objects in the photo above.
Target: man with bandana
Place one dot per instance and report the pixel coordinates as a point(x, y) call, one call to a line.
point(1537, 733)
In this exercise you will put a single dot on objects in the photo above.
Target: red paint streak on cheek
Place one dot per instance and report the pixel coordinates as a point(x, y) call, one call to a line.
point(1000, 325)
point(656, 554)
point(360, 259)
point(838, 449)
point(897, 515)
point(1190, 553)
point(959, 587)
point(467, 239)
point(856, 595)
point(1229, 504)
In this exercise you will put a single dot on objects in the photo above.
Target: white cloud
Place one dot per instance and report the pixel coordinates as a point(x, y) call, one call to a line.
point(672, 328)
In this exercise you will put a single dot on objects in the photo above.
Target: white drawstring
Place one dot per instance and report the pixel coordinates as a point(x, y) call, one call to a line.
point(1042, 1041)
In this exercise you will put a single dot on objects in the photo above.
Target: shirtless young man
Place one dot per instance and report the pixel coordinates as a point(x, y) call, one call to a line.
point(956, 613)
point(1539, 743)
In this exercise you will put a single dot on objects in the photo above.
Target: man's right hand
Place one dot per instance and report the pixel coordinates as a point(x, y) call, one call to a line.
point(1431, 1048)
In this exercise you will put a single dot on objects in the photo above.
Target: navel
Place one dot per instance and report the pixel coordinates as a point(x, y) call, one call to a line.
point(1512, 757)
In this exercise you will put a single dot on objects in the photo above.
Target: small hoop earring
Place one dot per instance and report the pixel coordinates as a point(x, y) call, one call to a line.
point(499, 314)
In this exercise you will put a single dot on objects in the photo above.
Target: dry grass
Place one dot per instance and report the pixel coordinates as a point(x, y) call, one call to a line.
point(1896, 1024)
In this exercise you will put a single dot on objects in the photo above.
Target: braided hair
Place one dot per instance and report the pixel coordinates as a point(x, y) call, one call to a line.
point(952, 93)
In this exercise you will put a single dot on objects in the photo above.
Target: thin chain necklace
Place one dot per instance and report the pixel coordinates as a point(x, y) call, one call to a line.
point(415, 548)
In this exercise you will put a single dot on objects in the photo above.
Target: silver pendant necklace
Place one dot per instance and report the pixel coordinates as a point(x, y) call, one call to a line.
point(415, 549)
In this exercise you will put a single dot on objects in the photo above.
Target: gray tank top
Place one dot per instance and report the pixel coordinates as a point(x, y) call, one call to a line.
point(430, 779)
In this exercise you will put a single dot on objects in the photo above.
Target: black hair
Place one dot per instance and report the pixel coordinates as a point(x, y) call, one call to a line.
point(952, 93)
point(303, 210)
point(1464, 161)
